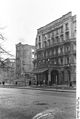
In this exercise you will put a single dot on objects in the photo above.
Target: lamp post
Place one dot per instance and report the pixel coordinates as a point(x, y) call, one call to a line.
point(56, 80)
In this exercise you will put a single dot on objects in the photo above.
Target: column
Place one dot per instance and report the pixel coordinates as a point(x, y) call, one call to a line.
point(49, 77)
point(60, 77)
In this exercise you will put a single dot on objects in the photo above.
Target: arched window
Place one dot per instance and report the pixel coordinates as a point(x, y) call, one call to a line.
point(48, 42)
point(66, 26)
point(61, 61)
point(67, 35)
point(45, 43)
point(54, 51)
point(58, 50)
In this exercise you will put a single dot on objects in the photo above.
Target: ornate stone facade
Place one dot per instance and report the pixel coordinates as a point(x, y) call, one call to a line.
point(55, 56)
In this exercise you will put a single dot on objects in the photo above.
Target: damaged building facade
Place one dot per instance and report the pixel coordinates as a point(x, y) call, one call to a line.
point(24, 63)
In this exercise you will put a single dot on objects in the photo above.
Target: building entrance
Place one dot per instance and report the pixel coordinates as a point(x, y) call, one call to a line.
point(54, 77)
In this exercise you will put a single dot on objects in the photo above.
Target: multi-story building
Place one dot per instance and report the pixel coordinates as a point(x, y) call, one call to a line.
point(55, 55)
point(24, 61)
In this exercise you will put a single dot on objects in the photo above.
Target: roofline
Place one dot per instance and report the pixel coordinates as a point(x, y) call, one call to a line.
point(63, 16)
point(25, 44)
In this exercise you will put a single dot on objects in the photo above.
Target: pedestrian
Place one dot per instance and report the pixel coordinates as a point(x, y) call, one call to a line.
point(29, 82)
point(37, 82)
point(3, 82)
point(16, 83)
point(70, 84)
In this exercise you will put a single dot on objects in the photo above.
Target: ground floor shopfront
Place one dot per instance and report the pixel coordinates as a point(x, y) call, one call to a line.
point(58, 76)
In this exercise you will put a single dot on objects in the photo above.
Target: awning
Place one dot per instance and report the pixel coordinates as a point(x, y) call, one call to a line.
point(39, 71)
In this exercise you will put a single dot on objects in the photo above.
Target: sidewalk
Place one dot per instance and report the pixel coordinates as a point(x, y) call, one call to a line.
point(44, 88)
point(71, 90)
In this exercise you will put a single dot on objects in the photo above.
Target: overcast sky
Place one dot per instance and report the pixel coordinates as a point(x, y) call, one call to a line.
point(22, 18)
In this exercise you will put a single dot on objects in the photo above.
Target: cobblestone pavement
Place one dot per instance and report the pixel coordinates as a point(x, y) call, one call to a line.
point(25, 103)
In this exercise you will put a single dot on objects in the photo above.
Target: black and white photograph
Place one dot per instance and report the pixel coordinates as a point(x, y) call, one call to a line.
point(38, 62)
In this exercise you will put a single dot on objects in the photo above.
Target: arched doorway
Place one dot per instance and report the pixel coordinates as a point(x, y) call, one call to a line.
point(62, 77)
point(67, 76)
point(54, 77)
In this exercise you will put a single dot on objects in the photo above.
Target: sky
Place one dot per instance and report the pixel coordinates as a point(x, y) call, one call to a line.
point(20, 19)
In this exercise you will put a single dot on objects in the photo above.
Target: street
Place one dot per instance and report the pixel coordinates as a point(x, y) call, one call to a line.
point(25, 103)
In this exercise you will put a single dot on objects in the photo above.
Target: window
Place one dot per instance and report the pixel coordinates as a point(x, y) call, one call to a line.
point(39, 45)
point(61, 50)
point(50, 52)
point(42, 54)
point(57, 38)
point(61, 61)
point(74, 58)
point(48, 42)
point(53, 34)
point(54, 61)
point(52, 40)
point(67, 35)
point(46, 53)
point(67, 49)
point(57, 32)
point(61, 38)
point(45, 44)
point(61, 29)
point(45, 36)
point(66, 26)
point(39, 38)
point(48, 35)
point(58, 50)
point(54, 51)
point(74, 34)
point(74, 47)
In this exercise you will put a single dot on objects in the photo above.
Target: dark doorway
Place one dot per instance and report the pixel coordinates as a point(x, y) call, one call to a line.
point(54, 77)
point(46, 77)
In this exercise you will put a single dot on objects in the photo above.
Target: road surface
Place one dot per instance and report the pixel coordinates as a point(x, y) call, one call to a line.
point(25, 103)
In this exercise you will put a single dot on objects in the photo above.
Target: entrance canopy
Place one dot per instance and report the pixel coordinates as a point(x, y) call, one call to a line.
point(37, 71)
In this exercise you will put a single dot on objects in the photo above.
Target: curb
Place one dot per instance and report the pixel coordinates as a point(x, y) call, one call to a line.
point(56, 90)
point(44, 89)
